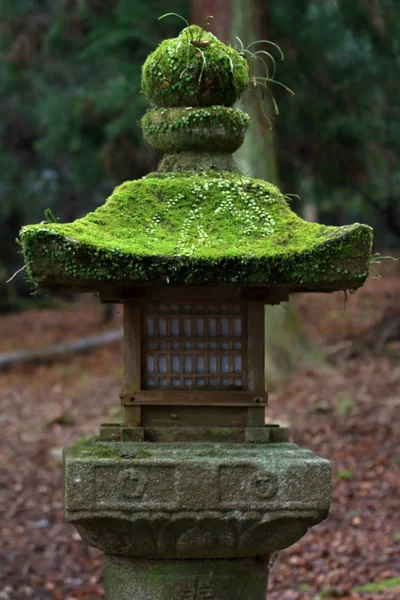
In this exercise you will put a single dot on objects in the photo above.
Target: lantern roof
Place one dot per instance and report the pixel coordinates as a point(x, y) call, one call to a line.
point(197, 220)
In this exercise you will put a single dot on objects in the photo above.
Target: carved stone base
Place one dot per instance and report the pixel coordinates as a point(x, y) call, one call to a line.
point(194, 500)
point(130, 579)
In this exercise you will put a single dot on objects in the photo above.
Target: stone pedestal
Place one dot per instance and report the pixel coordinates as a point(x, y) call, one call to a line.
point(131, 579)
point(192, 520)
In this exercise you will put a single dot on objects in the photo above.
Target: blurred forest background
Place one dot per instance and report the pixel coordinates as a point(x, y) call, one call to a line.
point(70, 104)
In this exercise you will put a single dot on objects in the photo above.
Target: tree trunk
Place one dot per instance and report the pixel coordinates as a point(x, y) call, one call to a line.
point(287, 345)
point(310, 211)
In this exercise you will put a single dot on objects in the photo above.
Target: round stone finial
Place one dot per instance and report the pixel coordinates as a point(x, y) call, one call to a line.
point(194, 69)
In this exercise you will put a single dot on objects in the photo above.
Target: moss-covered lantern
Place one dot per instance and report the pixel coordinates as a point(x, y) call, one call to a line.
point(194, 251)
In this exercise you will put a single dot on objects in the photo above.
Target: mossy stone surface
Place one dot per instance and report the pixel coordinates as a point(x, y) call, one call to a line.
point(194, 69)
point(190, 129)
point(195, 162)
point(203, 229)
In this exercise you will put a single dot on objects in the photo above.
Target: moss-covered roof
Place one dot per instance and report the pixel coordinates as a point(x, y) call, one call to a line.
point(201, 229)
point(197, 221)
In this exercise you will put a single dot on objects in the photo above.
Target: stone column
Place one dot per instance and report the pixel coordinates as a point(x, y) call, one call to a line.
point(237, 579)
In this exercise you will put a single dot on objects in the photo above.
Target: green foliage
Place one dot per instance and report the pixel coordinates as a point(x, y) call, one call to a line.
point(339, 141)
point(70, 100)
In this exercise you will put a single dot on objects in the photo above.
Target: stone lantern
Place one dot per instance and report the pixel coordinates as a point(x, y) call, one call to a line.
point(191, 494)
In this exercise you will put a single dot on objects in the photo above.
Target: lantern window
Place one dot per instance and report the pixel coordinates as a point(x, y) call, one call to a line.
point(194, 346)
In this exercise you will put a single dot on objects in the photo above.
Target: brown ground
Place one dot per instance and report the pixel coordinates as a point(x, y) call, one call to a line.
point(347, 412)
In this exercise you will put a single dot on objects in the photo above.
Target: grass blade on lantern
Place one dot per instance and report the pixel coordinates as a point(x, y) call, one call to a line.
point(288, 89)
point(265, 113)
point(204, 63)
point(172, 14)
point(49, 216)
point(207, 22)
point(271, 43)
point(270, 57)
point(274, 102)
point(230, 62)
point(240, 42)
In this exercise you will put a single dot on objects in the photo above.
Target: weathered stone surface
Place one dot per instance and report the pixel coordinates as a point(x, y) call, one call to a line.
point(128, 579)
point(279, 434)
point(257, 435)
point(203, 500)
point(110, 433)
point(195, 434)
point(132, 434)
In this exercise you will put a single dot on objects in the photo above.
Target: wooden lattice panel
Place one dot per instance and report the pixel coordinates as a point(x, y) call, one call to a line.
point(194, 346)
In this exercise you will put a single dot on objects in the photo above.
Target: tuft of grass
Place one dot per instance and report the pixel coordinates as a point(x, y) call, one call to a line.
point(378, 586)
point(268, 62)
point(49, 216)
point(376, 259)
point(345, 474)
point(345, 404)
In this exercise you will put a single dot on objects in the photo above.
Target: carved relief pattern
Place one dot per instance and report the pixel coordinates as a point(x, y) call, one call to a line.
point(131, 482)
point(165, 487)
point(195, 534)
point(191, 509)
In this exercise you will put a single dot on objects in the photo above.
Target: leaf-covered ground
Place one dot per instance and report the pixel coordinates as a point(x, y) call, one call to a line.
point(347, 411)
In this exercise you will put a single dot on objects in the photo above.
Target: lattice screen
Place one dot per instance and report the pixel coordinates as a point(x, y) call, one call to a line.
point(194, 345)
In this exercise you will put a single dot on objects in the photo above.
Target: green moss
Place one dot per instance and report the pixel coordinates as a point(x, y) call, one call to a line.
point(113, 450)
point(141, 454)
point(186, 129)
point(197, 229)
point(194, 69)
point(95, 448)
